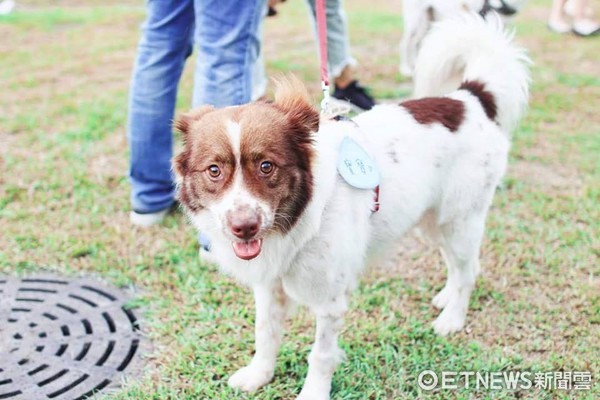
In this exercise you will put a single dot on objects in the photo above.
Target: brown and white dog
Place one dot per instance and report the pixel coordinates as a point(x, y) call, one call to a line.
point(261, 181)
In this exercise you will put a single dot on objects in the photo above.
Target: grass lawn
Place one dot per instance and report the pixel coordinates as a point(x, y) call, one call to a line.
point(64, 75)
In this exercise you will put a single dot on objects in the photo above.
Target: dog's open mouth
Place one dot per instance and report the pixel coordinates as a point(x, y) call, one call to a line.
point(247, 250)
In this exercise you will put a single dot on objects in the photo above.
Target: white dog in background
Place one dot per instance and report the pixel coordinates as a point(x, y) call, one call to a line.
point(7, 6)
point(419, 15)
point(262, 181)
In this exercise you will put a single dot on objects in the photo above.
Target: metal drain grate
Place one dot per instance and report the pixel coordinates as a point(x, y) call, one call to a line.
point(63, 339)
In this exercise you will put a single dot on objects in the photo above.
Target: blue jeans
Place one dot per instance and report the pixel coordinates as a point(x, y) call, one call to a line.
point(338, 41)
point(338, 45)
point(225, 33)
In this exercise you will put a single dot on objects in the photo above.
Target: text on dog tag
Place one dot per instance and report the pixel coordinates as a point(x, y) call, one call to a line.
point(356, 166)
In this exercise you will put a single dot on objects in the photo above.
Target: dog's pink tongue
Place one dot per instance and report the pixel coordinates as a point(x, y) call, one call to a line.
point(247, 250)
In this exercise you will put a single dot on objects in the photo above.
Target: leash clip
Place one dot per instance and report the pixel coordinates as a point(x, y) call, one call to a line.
point(325, 104)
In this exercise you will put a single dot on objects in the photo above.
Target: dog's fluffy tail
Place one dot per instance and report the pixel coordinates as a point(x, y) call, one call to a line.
point(477, 55)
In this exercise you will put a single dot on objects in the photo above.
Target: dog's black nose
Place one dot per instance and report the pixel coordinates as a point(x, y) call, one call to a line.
point(245, 229)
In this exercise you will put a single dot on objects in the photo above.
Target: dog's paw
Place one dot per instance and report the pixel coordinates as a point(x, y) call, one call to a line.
point(309, 394)
point(250, 378)
point(449, 321)
point(442, 299)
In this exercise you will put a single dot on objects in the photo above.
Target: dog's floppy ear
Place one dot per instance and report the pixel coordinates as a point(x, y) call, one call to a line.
point(183, 124)
point(293, 99)
point(180, 164)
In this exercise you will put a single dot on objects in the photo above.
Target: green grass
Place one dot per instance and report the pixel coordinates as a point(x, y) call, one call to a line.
point(48, 19)
point(64, 207)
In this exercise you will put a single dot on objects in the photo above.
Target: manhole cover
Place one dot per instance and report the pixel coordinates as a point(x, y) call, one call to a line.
point(63, 339)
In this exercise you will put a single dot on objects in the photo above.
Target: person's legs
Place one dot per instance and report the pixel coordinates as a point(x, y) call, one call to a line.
point(341, 63)
point(338, 44)
point(556, 20)
point(227, 36)
point(580, 11)
point(163, 48)
point(583, 22)
point(259, 79)
point(259, 74)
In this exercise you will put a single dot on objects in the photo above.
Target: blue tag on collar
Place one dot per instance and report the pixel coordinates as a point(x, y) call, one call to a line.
point(356, 166)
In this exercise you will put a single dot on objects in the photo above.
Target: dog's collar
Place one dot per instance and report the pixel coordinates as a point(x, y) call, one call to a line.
point(375, 206)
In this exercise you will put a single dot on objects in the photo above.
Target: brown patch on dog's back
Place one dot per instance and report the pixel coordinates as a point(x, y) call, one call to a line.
point(486, 98)
point(443, 110)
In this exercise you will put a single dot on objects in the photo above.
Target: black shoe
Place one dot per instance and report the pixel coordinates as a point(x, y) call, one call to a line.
point(356, 95)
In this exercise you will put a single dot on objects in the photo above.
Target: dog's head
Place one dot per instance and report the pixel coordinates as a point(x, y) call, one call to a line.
point(249, 166)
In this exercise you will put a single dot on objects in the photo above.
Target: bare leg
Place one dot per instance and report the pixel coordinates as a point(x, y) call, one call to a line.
point(583, 23)
point(557, 10)
point(271, 309)
point(583, 10)
point(556, 20)
point(345, 78)
point(579, 7)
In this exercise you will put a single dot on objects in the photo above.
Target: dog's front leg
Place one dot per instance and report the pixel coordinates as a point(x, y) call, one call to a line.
point(271, 308)
point(324, 357)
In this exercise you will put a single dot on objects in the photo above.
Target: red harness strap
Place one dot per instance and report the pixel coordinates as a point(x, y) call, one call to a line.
point(375, 200)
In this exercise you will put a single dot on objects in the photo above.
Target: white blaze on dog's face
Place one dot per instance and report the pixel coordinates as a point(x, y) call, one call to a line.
point(249, 166)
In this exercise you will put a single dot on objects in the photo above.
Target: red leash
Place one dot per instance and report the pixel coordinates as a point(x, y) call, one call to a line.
point(322, 34)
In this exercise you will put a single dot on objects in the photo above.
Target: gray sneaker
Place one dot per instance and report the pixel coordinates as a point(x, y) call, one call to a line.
point(146, 220)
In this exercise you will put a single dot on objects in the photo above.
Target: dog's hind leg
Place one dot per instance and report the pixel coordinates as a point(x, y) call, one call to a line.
point(429, 230)
point(442, 299)
point(271, 309)
point(460, 243)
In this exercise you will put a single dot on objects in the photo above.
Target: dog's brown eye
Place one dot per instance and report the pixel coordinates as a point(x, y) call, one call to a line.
point(214, 171)
point(266, 167)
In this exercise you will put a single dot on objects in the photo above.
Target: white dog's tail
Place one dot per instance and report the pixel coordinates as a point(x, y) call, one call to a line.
point(477, 55)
